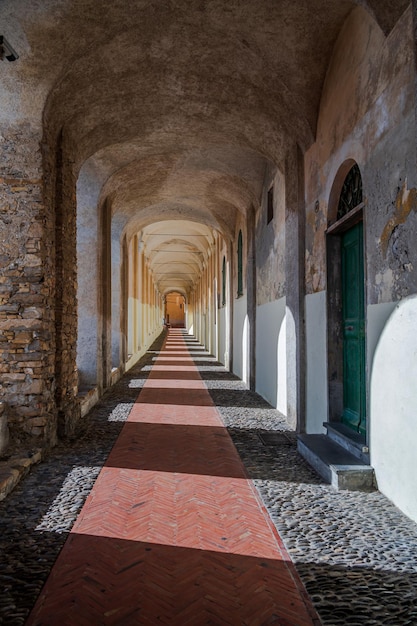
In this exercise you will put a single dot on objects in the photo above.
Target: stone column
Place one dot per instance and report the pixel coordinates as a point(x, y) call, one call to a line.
point(230, 296)
point(295, 286)
point(104, 263)
point(116, 293)
point(251, 294)
point(131, 312)
point(123, 303)
point(88, 190)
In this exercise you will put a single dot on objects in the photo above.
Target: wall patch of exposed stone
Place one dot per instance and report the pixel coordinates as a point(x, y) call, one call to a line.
point(315, 254)
point(396, 277)
point(405, 202)
point(26, 291)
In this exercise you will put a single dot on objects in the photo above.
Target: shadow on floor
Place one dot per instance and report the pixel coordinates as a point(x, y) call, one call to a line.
point(51, 496)
point(361, 596)
point(150, 583)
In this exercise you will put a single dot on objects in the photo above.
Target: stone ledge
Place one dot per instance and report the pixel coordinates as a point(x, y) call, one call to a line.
point(15, 468)
point(87, 399)
point(335, 464)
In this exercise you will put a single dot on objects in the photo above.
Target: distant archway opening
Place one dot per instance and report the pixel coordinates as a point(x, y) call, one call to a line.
point(175, 310)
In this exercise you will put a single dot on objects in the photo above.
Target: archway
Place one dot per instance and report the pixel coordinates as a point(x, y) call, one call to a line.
point(175, 310)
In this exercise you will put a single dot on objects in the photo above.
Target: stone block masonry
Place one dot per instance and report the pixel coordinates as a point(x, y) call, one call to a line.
point(26, 293)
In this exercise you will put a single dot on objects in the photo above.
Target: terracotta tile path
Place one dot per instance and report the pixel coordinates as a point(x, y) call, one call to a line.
point(173, 531)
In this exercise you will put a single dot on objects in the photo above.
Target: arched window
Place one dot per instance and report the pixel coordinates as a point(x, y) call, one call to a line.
point(240, 264)
point(224, 281)
point(351, 194)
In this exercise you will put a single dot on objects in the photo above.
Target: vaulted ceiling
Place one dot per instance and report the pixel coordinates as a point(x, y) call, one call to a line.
point(178, 104)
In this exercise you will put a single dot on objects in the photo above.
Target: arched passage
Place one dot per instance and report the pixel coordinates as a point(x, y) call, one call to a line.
point(127, 173)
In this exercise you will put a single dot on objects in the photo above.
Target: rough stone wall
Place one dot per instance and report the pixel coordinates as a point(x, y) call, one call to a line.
point(38, 322)
point(26, 290)
point(270, 243)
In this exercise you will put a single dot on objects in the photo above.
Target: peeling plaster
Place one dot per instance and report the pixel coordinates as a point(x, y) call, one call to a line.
point(405, 202)
point(315, 254)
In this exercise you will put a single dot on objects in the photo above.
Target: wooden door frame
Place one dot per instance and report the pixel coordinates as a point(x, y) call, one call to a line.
point(334, 296)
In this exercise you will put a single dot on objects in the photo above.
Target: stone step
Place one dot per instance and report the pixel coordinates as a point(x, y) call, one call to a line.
point(353, 442)
point(15, 468)
point(335, 464)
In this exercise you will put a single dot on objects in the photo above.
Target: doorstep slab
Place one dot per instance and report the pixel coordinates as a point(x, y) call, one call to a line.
point(335, 464)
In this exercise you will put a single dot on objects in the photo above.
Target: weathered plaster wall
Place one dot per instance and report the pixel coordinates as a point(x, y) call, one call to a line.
point(391, 226)
point(367, 115)
point(270, 242)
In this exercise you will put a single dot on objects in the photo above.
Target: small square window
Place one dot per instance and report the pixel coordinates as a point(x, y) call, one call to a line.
point(270, 205)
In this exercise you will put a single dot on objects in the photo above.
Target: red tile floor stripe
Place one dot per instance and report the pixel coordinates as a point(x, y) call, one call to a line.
point(173, 531)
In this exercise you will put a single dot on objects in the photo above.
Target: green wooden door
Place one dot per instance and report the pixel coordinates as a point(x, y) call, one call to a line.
point(353, 329)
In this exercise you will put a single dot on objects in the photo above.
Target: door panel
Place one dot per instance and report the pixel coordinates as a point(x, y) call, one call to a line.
point(353, 329)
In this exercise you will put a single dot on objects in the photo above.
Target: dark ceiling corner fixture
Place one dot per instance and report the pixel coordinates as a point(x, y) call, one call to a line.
point(6, 51)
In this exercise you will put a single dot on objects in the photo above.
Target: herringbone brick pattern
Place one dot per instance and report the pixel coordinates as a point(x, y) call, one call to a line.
point(173, 532)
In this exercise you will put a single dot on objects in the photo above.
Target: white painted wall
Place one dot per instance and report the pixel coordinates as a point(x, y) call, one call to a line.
point(376, 317)
point(240, 338)
point(271, 363)
point(132, 308)
point(316, 362)
point(221, 320)
point(393, 407)
point(143, 349)
point(213, 335)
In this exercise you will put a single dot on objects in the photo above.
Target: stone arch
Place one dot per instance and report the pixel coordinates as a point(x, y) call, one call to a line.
point(336, 189)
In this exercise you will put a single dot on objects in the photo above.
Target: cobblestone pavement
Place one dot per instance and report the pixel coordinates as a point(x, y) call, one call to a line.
point(355, 552)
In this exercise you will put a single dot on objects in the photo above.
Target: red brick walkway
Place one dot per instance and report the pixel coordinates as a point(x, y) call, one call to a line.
point(173, 531)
